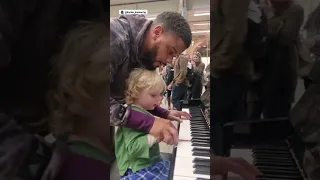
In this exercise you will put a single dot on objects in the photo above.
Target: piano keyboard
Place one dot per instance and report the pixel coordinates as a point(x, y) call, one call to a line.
point(275, 161)
point(192, 161)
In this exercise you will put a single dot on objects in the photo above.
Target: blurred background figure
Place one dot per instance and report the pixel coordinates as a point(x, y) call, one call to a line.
point(198, 71)
point(281, 65)
point(168, 79)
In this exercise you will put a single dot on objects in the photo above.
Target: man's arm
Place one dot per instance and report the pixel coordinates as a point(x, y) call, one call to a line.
point(133, 119)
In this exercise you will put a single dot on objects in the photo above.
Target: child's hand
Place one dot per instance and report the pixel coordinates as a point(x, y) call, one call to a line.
point(176, 115)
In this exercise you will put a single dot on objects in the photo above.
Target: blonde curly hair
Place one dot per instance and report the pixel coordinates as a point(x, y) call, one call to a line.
point(141, 79)
point(81, 73)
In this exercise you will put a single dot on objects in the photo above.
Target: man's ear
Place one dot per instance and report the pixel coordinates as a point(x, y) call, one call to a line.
point(157, 31)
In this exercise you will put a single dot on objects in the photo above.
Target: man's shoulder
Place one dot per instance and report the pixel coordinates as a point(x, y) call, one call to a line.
point(118, 33)
point(119, 40)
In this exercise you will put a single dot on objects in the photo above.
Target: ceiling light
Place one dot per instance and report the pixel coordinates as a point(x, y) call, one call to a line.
point(201, 24)
point(201, 14)
point(151, 18)
point(197, 32)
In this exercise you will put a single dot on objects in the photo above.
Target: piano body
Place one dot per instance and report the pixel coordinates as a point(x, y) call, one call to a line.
point(277, 146)
point(192, 155)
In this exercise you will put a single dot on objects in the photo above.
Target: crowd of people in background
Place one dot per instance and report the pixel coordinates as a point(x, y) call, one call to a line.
point(188, 71)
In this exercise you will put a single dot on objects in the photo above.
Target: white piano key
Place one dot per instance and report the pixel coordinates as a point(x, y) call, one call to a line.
point(184, 131)
point(186, 110)
point(184, 167)
point(184, 149)
point(183, 178)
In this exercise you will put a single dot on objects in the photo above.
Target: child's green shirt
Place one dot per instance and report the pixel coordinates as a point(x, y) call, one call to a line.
point(133, 150)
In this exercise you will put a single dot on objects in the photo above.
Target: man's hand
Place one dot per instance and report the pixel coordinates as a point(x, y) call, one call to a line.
point(164, 130)
point(176, 115)
point(221, 166)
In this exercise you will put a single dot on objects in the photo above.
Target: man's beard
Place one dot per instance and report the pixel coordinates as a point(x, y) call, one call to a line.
point(149, 58)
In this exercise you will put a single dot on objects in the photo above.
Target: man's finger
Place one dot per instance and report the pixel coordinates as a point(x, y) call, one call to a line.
point(167, 138)
point(246, 165)
point(174, 133)
point(186, 115)
point(175, 118)
point(240, 170)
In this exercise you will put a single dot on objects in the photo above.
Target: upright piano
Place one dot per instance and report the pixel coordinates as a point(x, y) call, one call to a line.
point(192, 155)
point(277, 146)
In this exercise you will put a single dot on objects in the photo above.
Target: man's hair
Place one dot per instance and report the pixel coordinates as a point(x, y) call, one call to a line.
point(176, 23)
point(141, 79)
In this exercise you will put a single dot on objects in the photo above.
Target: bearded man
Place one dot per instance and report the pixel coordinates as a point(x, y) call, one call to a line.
point(136, 42)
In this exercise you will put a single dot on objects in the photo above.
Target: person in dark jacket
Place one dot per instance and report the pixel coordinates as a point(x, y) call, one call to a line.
point(281, 67)
point(137, 42)
point(230, 69)
point(198, 71)
point(168, 79)
point(231, 66)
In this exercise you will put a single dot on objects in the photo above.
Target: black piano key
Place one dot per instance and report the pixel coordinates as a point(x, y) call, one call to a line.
point(201, 154)
point(202, 137)
point(200, 144)
point(202, 171)
point(199, 135)
point(199, 129)
point(285, 168)
point(287, 156)
point(200, 149)
point(201, 162)
point(198, 118)
point(259, 158)
point(200, 141)
point(272, 150)
point(194, 126)
point(270, 163)
point(194, 115)
point(206, 132)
